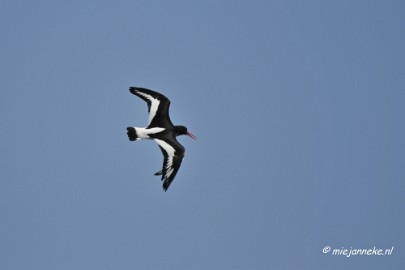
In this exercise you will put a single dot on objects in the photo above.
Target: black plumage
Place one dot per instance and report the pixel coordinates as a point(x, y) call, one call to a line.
point(162, 130)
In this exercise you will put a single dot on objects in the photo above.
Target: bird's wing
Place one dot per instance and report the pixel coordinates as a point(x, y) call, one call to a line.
point(173, 153)
point(158, 107)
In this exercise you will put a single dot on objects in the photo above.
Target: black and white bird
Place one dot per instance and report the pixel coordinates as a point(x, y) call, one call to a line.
point(162, 131)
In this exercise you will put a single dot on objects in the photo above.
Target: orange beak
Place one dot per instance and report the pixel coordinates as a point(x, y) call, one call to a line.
point(191, 136)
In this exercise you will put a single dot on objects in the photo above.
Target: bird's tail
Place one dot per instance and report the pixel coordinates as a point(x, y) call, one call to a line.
point(132, 134)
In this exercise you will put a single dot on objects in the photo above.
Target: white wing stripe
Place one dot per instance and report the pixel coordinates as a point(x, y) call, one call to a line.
point(168, 148)
point(153, 107)
point(170, 153)
point(169, 168)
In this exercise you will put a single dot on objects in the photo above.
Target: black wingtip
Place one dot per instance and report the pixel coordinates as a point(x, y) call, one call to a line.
point(159, 172)
point(166, 184)
point(132, 89)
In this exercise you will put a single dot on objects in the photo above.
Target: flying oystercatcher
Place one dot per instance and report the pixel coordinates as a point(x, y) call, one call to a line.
point(162, 131)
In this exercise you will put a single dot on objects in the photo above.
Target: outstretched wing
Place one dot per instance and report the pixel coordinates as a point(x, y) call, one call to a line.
point(158, 107)
point(173, 153)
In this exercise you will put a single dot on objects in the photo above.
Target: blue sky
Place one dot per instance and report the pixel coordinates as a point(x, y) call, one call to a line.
point(298, 107)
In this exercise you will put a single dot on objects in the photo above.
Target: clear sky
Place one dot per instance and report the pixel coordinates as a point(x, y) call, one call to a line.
point(299, 111)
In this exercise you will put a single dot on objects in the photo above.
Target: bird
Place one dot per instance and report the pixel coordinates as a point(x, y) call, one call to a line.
point(161, 129)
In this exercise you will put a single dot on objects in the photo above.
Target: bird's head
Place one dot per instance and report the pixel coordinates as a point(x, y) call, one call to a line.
point(182, 130)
